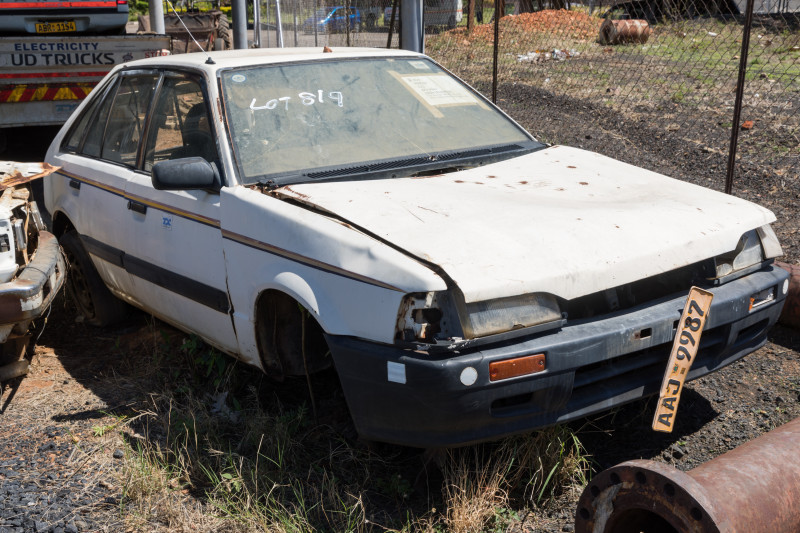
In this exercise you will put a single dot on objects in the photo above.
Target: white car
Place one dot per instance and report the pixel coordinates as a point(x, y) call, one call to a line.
point(301, 208)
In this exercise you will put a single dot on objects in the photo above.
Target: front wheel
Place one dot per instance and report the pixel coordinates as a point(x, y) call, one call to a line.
point(98, 306)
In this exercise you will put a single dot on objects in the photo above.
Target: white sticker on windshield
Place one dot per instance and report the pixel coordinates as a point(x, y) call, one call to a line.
point(238, 78)
point(440, 89)
point(419, 65)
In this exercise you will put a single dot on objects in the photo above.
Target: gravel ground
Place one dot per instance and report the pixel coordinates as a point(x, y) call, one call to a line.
point(738, 403)
point(57, 473)
point(59, 469)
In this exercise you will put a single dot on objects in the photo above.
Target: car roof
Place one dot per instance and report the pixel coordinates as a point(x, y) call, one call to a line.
point(262, 56)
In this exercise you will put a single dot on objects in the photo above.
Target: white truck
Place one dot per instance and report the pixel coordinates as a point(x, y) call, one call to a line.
point(52, 54)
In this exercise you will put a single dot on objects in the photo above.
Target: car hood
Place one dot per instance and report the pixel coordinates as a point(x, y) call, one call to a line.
point(560, 220)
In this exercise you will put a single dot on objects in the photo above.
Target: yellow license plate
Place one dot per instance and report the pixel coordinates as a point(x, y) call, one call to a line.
point(55, 27)
point(684, 350)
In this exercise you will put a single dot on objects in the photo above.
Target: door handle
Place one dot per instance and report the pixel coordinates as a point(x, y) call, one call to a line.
point(75, 184)
point(137, 207)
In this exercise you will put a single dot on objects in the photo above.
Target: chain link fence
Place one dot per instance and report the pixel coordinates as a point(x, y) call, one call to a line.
point(676, 70)
point(363, 23)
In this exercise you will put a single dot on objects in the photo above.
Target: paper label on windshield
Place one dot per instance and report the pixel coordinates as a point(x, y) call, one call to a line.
point(439, 90)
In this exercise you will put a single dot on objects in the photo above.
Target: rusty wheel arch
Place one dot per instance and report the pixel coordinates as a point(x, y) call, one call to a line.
point(61, 224)
point(290, 340)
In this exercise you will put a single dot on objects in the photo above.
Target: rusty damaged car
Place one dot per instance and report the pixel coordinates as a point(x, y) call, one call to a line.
point(367, 210)
point(32, 267)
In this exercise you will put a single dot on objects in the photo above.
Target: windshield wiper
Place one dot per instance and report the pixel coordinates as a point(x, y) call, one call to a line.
point(455, 160)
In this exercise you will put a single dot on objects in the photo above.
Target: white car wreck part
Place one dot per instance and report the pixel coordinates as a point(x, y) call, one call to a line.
point(753, 248)
point(495, 316)
point(436, 317)
point(464, 287)
point(8, 248)
point(607, 222)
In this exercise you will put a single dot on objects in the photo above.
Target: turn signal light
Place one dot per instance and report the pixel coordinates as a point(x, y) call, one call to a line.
point(519, 366)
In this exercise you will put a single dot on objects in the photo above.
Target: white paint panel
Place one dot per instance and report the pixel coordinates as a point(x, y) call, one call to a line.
point(561, 220)
point(351, 283)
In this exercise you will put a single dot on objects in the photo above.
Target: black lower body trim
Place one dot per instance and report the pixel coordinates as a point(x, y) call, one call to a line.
point(184, 286)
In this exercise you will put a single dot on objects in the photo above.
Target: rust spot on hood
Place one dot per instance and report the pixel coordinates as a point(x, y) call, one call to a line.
point(292, 192)
point(571, 166)
point(523, 182)
point(584, 182)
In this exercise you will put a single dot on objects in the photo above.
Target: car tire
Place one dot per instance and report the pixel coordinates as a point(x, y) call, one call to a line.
point(451, 22)
point(93, 299)
point(370, 25)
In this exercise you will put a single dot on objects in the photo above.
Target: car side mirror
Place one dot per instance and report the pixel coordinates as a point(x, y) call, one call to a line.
point(185, 174)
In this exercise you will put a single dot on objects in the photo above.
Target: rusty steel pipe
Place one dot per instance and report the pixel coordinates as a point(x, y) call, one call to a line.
point(790, 316)
point(751, 489)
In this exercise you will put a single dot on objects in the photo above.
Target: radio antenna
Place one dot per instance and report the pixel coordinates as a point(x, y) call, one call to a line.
point(209, 60)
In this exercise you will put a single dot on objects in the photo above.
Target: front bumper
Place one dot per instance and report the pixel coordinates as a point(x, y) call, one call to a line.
point(416, 399)
point(27, 296)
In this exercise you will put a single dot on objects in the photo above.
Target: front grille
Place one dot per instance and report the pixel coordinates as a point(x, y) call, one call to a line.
point(640, 292)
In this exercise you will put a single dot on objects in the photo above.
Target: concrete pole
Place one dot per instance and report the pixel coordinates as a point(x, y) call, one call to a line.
point(239, 11)
point(412, 34)
point(157, 17)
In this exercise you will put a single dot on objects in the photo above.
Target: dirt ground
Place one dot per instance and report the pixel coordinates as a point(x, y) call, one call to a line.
point(60, 459)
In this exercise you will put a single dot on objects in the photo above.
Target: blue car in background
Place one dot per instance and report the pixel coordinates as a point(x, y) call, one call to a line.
point(333, 20)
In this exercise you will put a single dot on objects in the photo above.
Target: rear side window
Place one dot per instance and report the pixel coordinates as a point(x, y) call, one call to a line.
point(97, 128)
point(74, 138)
point(127, 118)
point(180, 124)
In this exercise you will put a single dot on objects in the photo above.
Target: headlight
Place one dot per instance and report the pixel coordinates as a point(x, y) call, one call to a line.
point(506, 314)
point(769, 242)
point(754, 247)
point(433, 317)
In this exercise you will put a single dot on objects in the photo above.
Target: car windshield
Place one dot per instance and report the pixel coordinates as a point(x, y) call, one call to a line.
point(333, 119)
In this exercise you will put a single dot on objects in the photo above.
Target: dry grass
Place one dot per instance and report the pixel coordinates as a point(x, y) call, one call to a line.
point(484, 482)
point(197, 459)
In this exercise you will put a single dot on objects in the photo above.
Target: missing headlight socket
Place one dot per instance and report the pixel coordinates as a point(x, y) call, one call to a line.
point(426, 317)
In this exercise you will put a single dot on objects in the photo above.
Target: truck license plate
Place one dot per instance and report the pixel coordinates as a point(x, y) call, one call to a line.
point(55, 27)
point(684, 349)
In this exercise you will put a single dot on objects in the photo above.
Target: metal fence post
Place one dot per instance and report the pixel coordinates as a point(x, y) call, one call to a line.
point(239, 11)
point(257, 23)
point(392, 22)
point(278, 24)
point(157, 16)
point(737, 106)
point(412, 34)
point(499, 9)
